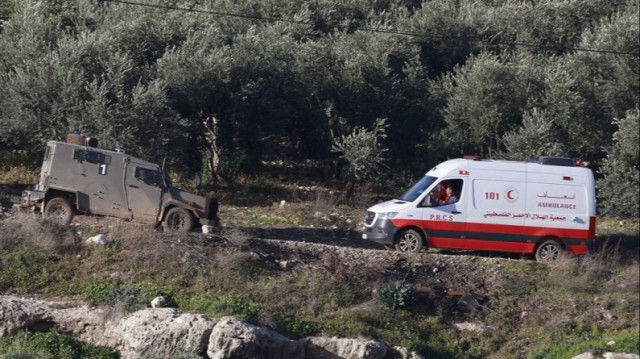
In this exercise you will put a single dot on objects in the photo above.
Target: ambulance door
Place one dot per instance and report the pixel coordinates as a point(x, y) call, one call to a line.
point(496, 214)
point(444, 214)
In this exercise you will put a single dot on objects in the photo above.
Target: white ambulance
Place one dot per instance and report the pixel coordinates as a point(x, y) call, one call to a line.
point(546, 207)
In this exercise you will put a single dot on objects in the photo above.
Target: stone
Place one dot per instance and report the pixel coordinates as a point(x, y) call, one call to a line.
point(163, 333)
point(402, 353)
point(158, 302)
point(343, 348)
point(232, 338)
point(206, 229)
point(169, 333)
point(473, 327)
point(609, 355)
point(99, 239)
point(17, 314)
point(586, 355)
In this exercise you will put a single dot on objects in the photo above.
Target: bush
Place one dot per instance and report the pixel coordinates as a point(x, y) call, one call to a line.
point(101, 291)
point(618, 191)
point(396, 296)
point(50, 345)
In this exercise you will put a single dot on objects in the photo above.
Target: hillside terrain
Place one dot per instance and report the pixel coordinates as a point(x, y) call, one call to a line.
point(301, 269)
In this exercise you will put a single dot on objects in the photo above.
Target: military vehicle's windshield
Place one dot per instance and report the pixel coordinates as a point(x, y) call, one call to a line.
point(418, 188)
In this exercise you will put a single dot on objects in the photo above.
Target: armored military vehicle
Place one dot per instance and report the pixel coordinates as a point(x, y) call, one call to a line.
point(78, 177)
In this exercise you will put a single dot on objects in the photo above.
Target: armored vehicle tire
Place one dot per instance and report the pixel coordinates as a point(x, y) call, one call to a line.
point(178, 220)
point(549, 251)
point(409, 240)
point(58, 210)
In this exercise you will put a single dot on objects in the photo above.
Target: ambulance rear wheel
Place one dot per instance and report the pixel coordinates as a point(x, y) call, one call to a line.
point(549, 251)
point(58, 210)
point(409, 241)
point(178, 220)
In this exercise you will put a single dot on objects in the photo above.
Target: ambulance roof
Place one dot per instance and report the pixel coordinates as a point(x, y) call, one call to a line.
point(450, 167)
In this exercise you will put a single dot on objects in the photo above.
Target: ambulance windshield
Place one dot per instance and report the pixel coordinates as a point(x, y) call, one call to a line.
point(418, 188)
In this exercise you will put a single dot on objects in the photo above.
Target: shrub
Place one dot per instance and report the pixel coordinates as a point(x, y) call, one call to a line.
point(25, 267)
point(101, 291)
point(296, 327)
point(618, 193)
point(363, 152)
point(396, 296)
point(50, 345)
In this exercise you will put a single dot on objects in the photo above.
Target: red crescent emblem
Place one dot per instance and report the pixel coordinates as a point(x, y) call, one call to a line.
point(511, 194)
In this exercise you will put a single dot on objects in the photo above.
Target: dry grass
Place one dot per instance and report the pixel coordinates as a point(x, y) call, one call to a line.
point(592, 272)
point(44, 234)
point(20, 174)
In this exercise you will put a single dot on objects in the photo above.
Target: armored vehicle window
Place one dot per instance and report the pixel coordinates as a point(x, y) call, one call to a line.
point(89, 156)
point(147, 176)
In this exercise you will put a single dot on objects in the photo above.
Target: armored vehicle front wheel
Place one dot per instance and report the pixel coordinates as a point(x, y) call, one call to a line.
point(58, 210)
point(409, 241)
point(178, 220)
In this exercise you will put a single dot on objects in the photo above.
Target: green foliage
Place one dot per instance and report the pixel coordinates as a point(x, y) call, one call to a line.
point(101, 291)
point(363, 152)
point(296, 328)
point(396, 296)
point(150, 78)
point(485, 99)
point(220, 305)
point(133, 297)
point(538, 136)
point(50, 345)
point(27, 267)
point(619, 188)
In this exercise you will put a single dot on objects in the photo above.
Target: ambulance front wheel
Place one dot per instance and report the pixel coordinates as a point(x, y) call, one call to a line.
point(549, 251)
point(409, 240)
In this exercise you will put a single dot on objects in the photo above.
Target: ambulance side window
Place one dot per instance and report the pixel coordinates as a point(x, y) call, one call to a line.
point(444, 193)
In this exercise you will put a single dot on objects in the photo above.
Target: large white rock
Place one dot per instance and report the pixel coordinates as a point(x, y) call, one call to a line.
point(84, 323)
point(17, 314)
point(344, 348)
point(232, 338)
point(163, 333)
point(609, 355)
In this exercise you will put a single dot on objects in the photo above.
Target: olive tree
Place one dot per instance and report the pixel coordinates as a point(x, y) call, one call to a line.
point(537, 136)
point(485, 98)
point(363, 152)
point(619, 189)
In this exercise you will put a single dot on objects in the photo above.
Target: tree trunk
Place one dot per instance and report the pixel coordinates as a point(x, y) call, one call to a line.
point(351, 190)
point(211, 128)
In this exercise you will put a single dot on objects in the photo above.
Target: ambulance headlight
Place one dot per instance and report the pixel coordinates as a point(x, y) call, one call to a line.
point(392, 214)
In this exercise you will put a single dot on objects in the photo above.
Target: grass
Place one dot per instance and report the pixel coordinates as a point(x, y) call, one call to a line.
point(595, 342)
point(50, 345)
